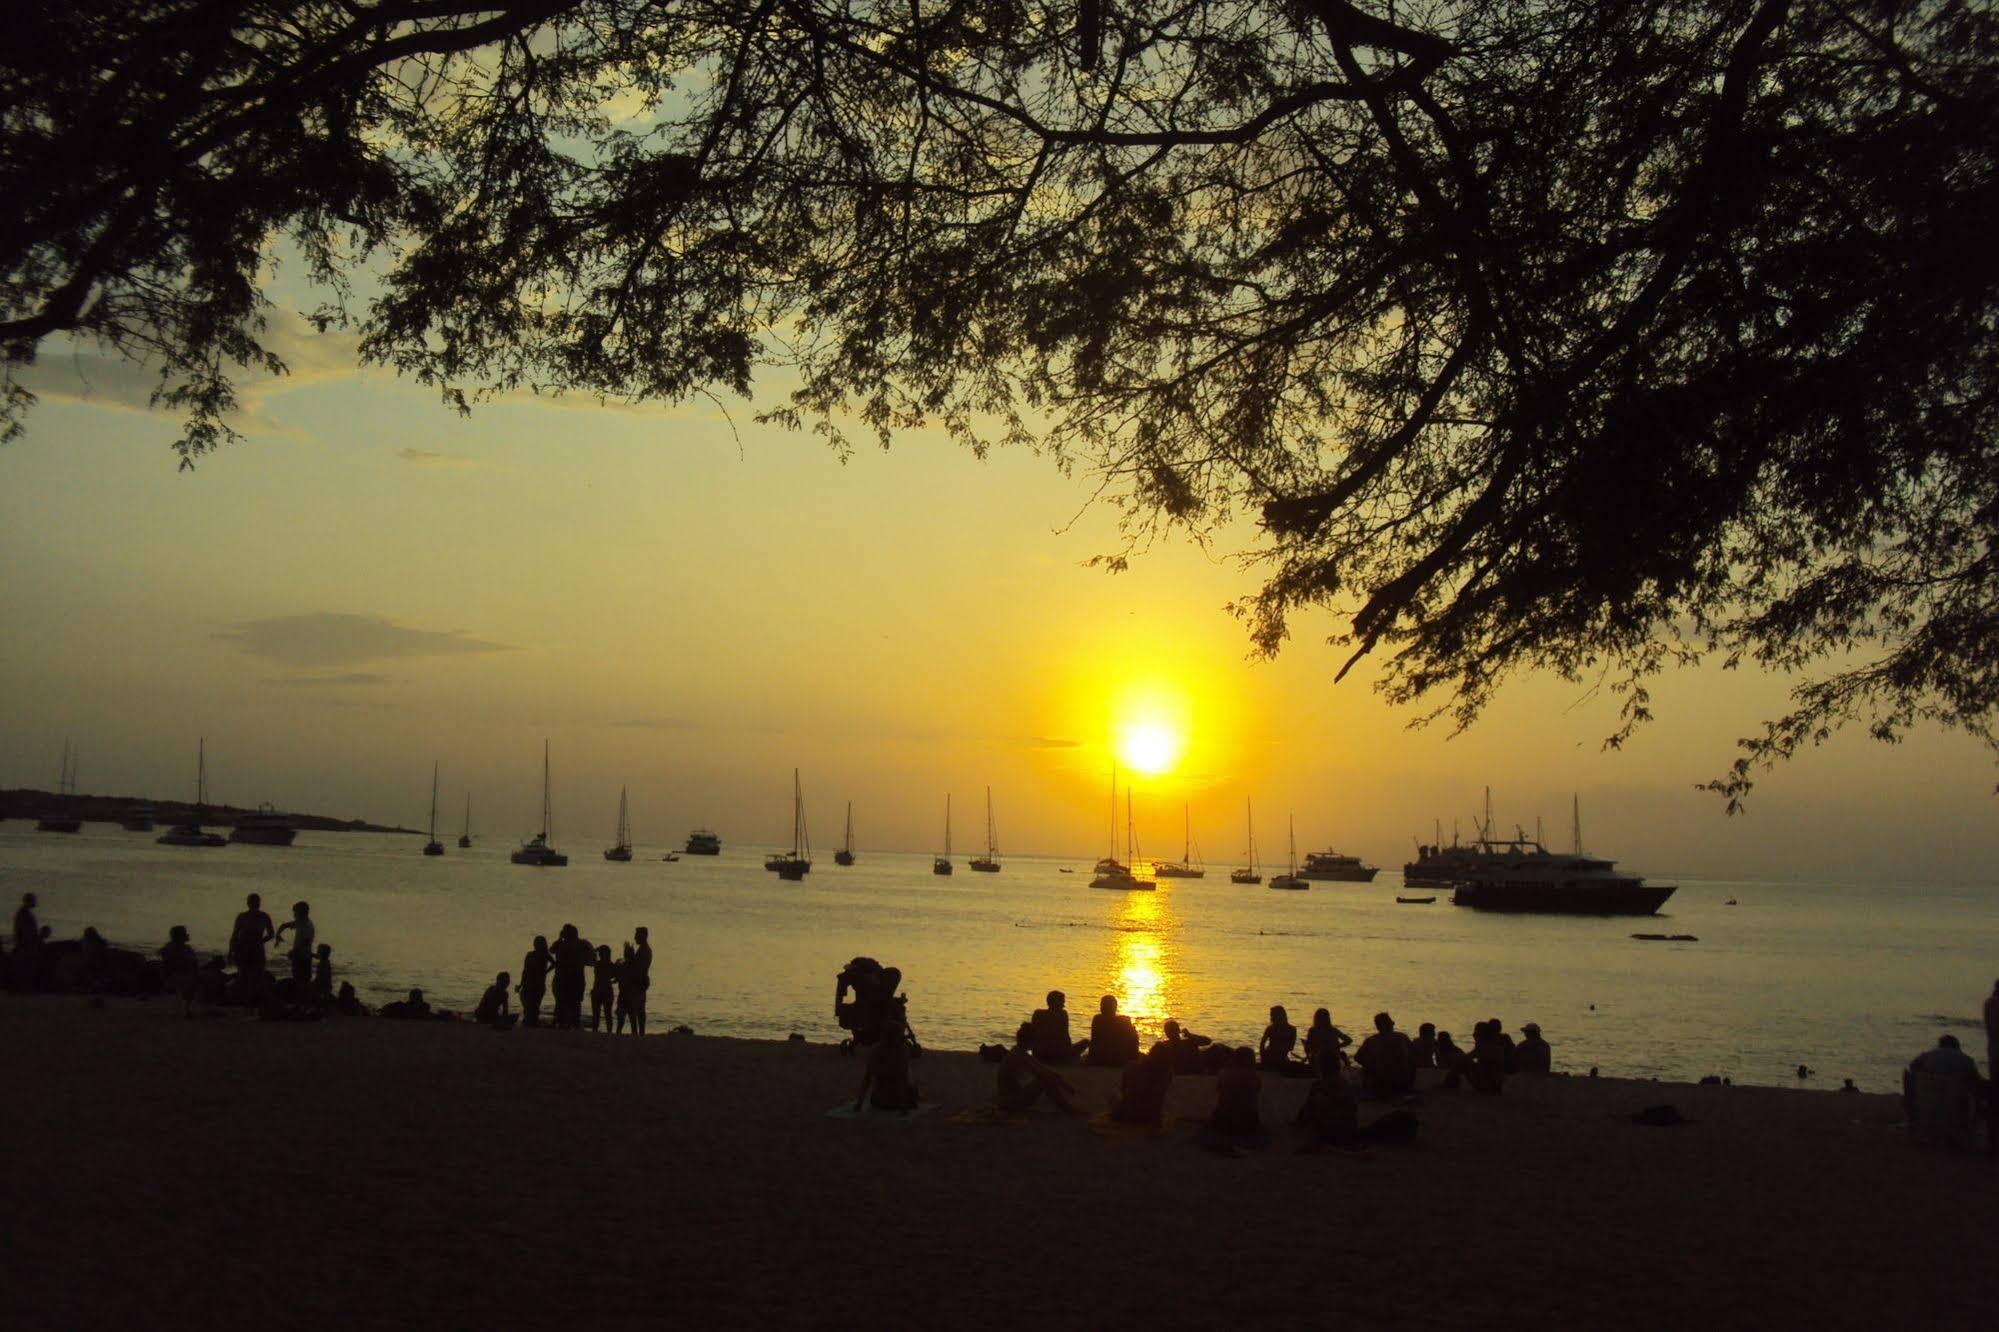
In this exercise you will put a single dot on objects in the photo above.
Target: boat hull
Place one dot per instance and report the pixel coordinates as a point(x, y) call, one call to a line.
point(1244, 876)
point(433, 848)
point(1125, 884)
point(619, 853)
point(703, 844)
point(1584, 898)
point(464, 843)
point(1289, 883)
point(940, 867)
point(1178, 872)
point(985, 866)
point(794, 870)
point(843, 857)
point(191, 837)
point(539, 857)
point(58, 823)
point(1356, 874)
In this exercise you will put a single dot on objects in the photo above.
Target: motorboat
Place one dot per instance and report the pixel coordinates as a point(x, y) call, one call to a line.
point(265, 826)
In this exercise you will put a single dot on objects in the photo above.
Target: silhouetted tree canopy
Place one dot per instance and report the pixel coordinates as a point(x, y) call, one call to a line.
point(1584, 335)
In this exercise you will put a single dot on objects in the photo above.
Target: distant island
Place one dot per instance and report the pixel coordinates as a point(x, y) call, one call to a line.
point(27, 803)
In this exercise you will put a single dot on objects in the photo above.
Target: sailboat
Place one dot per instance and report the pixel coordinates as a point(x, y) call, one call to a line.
point(845, 855)
point(1291, 881)
point(1248, 874)
point(433, 847)
point(1111, 873)
point(65, 822)
point(191, 834)
point(1189, 865)
point(798, 862)
point(465, 838)
point(989, 862)
point(942, 864)
point(623, 850)
point(536, 850)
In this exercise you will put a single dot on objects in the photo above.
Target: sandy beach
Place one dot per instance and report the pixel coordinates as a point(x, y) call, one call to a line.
point(371, 1173)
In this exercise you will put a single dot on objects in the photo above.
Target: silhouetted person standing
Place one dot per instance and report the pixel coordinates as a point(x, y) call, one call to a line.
point(27, 957)
point(246, 942)
point(637, 980)
point(1992, 1034)
point(572, 955)
point(603, 990)
point(303, 932)
point(179, 967)
point(534, 980)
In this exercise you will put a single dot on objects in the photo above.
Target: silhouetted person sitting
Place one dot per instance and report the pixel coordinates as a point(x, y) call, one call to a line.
point(1424, 1048)
point(322, 976)
point(1113, 1037)
point(1323, 1038)
point(1330, 1113)
point(1023, 1079)
point(1142, 1089)
point(347, 1003)
point(412, 1007)
point(603, 989)
point(1188, 1049)
point(1280, 1038)
point(534, 980)
point(1237, 1118)
point(887, 1074)
point(1051, 1032)
point(1387, 1061)
point(1509, 1052)
point(180, 969)
point(1451, 1058)
point(1940, 1092)
point(572, 954)
point(494, 1009)
point(1533, 1055)
point(1487, 1071)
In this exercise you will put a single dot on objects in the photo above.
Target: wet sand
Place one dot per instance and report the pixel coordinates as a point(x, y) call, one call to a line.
point(368, 1173)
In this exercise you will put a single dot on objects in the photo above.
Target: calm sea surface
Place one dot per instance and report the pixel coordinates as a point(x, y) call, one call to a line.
point(1851, 980)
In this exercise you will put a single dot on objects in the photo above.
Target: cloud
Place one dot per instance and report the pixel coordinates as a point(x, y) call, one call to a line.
point(325, 640)
point(341, 681)
point(431, 458)
point(68, 371)
point(1045, 742)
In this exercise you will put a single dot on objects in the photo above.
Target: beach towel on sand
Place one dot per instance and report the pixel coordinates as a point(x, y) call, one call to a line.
point(847, 1111)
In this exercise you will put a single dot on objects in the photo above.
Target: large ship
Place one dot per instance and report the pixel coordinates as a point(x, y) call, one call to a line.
point(701, 842)
point(1520, 874)
point(266, 827)
point(1324, 865)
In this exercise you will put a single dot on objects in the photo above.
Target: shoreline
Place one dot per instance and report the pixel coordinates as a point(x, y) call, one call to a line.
point(464, 1174)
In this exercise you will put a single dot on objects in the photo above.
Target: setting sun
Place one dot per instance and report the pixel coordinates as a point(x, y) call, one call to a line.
point(1149, 747)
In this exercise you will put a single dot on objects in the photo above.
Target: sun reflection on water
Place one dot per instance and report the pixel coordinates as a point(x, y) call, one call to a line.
point(1140, 969)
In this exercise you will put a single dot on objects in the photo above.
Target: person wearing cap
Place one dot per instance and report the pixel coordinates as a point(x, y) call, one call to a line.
point(1533, 1054)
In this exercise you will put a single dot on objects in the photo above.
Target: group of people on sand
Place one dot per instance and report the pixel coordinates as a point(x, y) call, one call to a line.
point(1384, 1066)
point(572, 967)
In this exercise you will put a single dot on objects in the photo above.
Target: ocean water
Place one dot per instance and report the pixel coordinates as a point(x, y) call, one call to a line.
point(1852, 980)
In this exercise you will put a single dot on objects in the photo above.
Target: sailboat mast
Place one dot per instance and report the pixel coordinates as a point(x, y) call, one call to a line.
point(468, 815)
point(546, 812)
point(947, 825)
point(201, 773)
point(433, 800)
